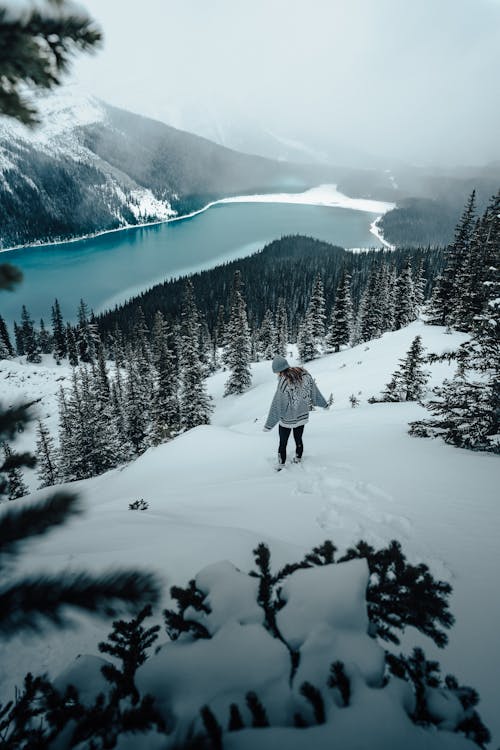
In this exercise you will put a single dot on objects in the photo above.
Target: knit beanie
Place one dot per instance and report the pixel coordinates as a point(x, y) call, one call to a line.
point(279, 364)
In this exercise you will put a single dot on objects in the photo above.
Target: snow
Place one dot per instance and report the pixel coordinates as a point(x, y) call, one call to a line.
point(322, 195)
point(213, 496)
point(60, 111)
point(376, 230)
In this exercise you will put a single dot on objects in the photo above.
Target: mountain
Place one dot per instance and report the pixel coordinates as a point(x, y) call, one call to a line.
point(91, 167)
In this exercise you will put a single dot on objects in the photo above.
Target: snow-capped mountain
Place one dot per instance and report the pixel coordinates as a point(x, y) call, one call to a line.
point(89, 167)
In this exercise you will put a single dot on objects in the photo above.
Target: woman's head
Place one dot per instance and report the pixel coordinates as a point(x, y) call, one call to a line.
point(279, 364)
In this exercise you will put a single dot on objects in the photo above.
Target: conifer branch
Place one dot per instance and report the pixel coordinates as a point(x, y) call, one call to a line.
point(32, 602)
point(18, 525)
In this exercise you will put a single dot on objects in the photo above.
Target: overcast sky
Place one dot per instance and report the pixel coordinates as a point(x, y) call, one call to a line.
point(414, 79)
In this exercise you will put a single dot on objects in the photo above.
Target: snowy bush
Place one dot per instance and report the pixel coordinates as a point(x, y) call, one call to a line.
point(140, 504)
point(291, 657)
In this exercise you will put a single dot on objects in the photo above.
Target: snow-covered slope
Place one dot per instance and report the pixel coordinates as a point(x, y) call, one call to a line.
point(213, 495)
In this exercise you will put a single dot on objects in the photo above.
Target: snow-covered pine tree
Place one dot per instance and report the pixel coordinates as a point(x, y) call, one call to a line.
point(406, 307)
point(207, 349)
point(195, 403)
point(71, 346)
point(306, 341)
point(466, 410)
point(102, 424)
point(85, 335)
point(389, 313)
point(477, 273)
point(31, 343)
point(118, 346)
point(45, 339)
point(15, 483)
point(5, 342)
point(137, 427)
point(237, 350)
point(316, 311)
point(165, 411)
point(446, 293)
point(266, 337)
point(4, 352)
point(18, 338)
point(46, 467)
point(220, 324)
point(468, 301)
point(74, 444)
point(408, 382)
point(369, 318)
point(58, 333)
point(341, 321)
point(419, 283)
point(414, 377)
point(281, 328)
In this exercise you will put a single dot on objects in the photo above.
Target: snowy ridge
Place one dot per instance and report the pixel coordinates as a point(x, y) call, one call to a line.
point(213, 495)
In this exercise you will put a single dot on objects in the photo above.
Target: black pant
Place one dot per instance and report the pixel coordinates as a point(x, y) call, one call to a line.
point(297, 436)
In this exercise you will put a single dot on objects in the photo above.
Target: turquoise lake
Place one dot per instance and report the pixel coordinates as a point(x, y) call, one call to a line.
point(109, 269)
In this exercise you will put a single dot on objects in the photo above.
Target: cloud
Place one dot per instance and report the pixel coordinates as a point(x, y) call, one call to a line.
point(410, 80)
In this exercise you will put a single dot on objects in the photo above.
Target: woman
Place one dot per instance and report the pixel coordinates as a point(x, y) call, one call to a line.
point(295, 395)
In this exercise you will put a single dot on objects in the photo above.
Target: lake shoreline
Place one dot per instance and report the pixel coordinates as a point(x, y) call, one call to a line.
point(324, 195)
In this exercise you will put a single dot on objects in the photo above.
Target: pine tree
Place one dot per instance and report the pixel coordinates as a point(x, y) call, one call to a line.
point(219, 330)
point(413, 377)
point(15, 483)
point(45, 340)
point(118, 347)
point(5, 342)
point(446, 292)
point(237, 350)
point(306, 341)
point(85, 335)
point(408, 382)
point(135, 416)
point(406, 308)
point(316, 311)
point(18, 337)
point(267, 338)
point(369, 318)
point(71, 346)
point(74, 438)
point(466, 410)
point(58, 333)
point(195, 404)
point(166, 399)
point(281, 328)
point(4, 352)
point(419, 283)
point(340, 328)
point(47, 471)
point(31, 343)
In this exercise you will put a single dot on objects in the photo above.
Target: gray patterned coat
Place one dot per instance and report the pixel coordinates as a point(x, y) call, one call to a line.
point(292, 402)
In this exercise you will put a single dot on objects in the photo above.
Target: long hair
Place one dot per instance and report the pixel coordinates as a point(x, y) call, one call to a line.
point(293, 374)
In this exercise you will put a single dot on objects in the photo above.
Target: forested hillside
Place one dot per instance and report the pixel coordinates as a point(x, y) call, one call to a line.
point(285, 268)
